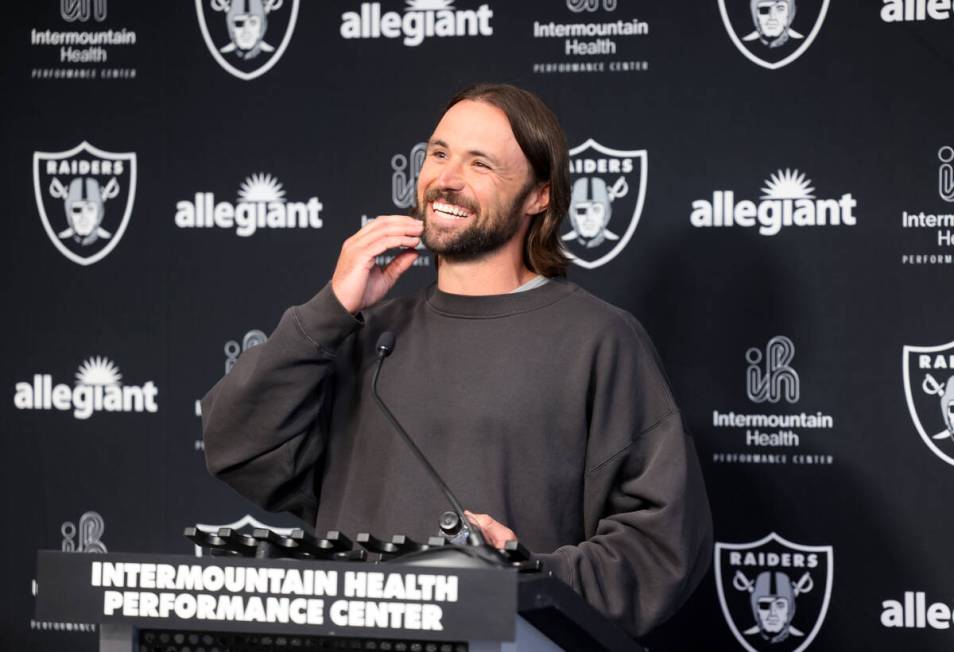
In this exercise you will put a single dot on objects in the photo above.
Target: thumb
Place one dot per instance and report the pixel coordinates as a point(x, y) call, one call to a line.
point(401, 263)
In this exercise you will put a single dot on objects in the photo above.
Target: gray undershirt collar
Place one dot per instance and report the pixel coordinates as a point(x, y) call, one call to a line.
point(535, 282)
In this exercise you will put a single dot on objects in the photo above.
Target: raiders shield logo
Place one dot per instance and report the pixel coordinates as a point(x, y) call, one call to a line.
point(247, 37)
point(84, 197)
point(247, 521)
point(774, 593)
point(929, 389)
point(608, 190)
point(773, 33)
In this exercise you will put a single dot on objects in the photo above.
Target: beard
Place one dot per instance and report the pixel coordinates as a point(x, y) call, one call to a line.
point(486, 233)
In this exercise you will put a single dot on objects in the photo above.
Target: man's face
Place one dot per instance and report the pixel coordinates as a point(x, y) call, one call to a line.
point(473, 189)
point(84, 216)
point(588, 218)
point(773, 18)
point(247, 29)
point(772, 613)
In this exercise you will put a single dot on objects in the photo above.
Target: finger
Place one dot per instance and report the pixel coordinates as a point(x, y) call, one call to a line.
point(401, 263)
point(391, 224)
point(378, 247)
point(496, 533)
point(480, 520)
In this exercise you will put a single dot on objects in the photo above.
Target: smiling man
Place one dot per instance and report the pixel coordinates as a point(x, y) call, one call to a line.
point(544, 408)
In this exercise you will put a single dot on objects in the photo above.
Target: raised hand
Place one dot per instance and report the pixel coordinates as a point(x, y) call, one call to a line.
point(358, 281)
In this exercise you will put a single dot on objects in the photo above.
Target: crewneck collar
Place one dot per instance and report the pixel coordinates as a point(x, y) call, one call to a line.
point(498, 305)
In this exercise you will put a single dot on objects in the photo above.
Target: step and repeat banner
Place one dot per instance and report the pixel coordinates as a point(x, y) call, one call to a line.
point(768, 185)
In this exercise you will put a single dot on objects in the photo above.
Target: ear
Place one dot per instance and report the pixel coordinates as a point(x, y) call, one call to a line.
point(538, 200)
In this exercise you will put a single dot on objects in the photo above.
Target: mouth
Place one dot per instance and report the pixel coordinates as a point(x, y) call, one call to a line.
point(450, 211)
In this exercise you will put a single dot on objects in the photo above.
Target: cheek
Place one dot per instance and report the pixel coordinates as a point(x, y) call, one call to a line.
point(426, 175)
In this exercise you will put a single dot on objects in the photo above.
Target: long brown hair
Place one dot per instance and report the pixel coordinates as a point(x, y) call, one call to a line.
point(541, 138)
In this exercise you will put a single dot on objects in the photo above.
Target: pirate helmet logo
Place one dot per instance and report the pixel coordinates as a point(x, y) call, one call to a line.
point(241, 34)
point(929, 390)
point(773, 33)
point(245, 523)
point(774, 593)
point(84, 197)
point(609, 186)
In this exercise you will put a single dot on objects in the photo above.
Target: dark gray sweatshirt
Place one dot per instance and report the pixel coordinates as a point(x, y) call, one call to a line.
point(546, 409)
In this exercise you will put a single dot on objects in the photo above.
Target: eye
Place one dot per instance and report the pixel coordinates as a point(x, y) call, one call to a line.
point(481, 164)
point(436, 153)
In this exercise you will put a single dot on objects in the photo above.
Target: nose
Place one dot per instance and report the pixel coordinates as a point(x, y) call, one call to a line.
point(450, 176)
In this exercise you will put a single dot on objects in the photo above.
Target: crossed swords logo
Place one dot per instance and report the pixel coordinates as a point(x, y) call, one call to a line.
point(946, 393)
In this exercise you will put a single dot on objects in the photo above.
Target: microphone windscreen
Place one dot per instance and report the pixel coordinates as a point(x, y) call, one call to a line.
point(385, 343)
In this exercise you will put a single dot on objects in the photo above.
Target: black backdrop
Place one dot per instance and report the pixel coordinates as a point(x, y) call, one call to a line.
point(854, 104)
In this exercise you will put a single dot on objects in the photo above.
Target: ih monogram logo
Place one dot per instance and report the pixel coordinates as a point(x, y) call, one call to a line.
point(81, 10)
point(775, 379)
point(404, 177)
point(90, 530)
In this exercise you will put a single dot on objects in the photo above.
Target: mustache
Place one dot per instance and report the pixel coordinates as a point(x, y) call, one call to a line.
point(451, 197)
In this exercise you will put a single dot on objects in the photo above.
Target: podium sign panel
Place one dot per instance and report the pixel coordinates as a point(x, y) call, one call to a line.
point(278, 596)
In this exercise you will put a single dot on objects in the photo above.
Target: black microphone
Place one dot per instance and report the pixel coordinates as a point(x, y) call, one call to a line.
point(385, 344)
point(384, 348)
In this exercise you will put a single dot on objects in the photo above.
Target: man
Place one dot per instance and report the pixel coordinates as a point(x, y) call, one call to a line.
point(543, 407)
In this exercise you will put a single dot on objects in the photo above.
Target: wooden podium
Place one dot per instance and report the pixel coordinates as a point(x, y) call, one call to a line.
point(191, 604)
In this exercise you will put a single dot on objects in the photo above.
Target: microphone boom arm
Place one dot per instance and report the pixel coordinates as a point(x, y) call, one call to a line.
point(474, 535)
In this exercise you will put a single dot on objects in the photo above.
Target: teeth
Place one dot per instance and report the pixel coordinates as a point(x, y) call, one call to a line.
point(450, 209)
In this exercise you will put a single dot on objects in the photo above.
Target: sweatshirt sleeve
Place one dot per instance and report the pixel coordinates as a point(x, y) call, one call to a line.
point(646, 513)
point(262, 422)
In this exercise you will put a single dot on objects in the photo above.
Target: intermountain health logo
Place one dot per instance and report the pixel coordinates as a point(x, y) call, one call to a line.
point(592, 38)
point(929, 390)
point(606, 202)
point(772, 382)
point(773, 33)
point(421, 19)
point(774, 593)
point(84, 536)
point(937, 223)
point(98, 388)
point(84, 45)
point(247, 37)
point(770, 377)
point(404, 173)
point(84, 197)
point(787, 200)
point(261, 204)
